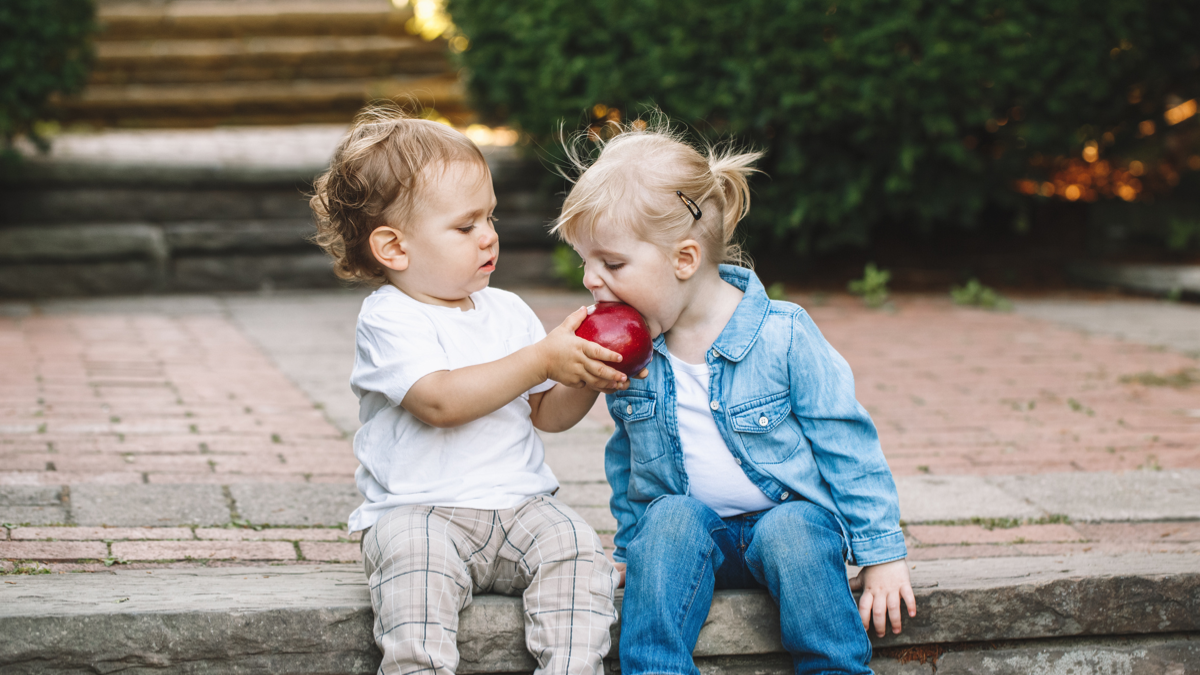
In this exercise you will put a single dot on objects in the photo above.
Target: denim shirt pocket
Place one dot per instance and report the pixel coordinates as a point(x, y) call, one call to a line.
point(769, 432)
point(635, 408)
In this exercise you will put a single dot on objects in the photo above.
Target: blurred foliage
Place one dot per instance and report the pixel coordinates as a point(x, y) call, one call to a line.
point(874, 112)
point(872, 286)
point(45, 49)
point(975, 294)
point(777, 291)
point(568, 267)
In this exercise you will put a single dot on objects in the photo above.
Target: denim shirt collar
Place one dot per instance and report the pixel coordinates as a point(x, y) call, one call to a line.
point(747, 321)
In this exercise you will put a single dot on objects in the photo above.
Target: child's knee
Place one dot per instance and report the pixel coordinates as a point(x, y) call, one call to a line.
point(800, 530)
point(674, 523)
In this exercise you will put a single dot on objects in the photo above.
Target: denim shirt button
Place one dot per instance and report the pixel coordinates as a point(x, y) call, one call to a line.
point(763, 421)
point(629, 409)
point(716, 354)
point(738, 460)
point(714, 405)
point(783, 497)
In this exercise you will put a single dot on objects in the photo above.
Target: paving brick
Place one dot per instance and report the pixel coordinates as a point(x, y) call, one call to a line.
point(203, 550)
point(101, 533)
point(326, 552)
point(1141, 532)
point(135, 505)
point(975, 534)
point(326, 504)
point(53, 550)
point(275, 534)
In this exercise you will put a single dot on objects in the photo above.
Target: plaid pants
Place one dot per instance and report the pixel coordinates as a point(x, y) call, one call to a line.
point(424, 563)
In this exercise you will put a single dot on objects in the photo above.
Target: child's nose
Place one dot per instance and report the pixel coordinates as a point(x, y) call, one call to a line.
point(488, 237)
point(591, 280)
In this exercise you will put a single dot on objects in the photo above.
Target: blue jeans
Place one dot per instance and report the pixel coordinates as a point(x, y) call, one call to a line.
point(683, 551)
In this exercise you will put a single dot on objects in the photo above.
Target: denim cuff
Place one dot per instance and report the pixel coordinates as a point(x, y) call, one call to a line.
point(619, 554)
point(879, 549)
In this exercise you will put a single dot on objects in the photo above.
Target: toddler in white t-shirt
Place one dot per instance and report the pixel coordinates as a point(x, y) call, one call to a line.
point(452, 378)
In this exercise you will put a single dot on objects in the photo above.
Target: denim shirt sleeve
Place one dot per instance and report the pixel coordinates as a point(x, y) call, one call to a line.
point(845, 444)
point(616, 469)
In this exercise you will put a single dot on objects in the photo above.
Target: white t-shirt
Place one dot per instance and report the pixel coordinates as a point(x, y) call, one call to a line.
point(714, 477)
point(494, 462)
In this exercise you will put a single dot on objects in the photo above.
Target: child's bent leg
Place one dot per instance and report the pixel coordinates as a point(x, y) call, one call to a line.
point(669, 585)
point(556, 561)
point(418, 585)
point(797, 553)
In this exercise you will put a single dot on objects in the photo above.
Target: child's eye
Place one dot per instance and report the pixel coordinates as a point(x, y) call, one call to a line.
point(466, 229)
point(613, 266)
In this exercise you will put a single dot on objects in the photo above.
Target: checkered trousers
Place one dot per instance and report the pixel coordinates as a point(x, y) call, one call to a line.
point(424, 563)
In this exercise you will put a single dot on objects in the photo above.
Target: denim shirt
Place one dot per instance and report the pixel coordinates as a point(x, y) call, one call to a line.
point(784, 402)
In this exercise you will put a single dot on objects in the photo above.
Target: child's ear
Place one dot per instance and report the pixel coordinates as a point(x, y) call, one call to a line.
point(688, 256)
point(389, 248)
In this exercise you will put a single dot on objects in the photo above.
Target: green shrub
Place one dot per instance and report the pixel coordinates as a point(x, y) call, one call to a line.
point(45, 49)
point(873, 286)
point(975, 294)
point(874, 112)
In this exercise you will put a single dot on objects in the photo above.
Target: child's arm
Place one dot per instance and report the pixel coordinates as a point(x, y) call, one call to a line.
point(561, 408)
point(883, 586)
point(846, 448)
point(449, 398)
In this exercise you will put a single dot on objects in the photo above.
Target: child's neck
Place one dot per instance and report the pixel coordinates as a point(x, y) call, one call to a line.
point(711, 302)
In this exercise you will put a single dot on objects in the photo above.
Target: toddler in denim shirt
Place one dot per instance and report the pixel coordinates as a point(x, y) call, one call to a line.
point(743, 460)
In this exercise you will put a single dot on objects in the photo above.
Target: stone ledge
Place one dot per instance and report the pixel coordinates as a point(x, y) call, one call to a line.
point(317, 620)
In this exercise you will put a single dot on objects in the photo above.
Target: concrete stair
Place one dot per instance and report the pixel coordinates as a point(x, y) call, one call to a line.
point(1134, 614)
point(198, 63)
point(165, 212)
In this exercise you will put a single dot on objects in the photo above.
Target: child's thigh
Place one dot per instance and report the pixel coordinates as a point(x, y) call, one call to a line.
point(797, 537)
point(546, 530)
point(410, 544)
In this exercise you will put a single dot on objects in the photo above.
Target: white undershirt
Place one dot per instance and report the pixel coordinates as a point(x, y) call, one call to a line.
point(494, 462)
point(714, 477)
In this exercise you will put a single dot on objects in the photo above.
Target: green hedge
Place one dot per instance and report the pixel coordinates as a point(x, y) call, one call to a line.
point(44, 49)
point(874, 112)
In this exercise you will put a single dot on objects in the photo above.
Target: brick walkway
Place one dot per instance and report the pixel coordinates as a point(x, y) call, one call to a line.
point(160, 398)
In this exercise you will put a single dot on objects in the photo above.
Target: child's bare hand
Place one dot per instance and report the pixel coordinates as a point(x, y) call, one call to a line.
point(620, 568)
point(575, 362)
point(883, 587)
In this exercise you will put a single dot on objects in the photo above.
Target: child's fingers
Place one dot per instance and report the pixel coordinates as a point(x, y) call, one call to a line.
point(906, 591)
point(856, 582)
point(643, 374)
point(598, 353)
point(864, 609)
point(893, 608)
point(598, 370)
point(879, 608)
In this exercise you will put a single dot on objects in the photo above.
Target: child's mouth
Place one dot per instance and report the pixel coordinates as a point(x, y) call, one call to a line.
point(488, 266)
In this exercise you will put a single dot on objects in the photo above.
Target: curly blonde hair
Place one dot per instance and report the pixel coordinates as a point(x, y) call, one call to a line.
point(375, 179)
point(636, 181)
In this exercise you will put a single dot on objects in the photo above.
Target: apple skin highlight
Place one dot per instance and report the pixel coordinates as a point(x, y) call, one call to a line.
point(619, 327)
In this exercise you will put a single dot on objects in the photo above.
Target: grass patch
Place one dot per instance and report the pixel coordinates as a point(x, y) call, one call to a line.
point(1180, 379)
point(1005, 523)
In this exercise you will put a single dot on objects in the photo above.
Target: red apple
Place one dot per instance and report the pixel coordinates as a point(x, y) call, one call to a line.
point(617, 326)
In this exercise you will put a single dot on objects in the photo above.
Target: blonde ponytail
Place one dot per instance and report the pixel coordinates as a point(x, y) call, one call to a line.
point(731, 170)
point(635, 178)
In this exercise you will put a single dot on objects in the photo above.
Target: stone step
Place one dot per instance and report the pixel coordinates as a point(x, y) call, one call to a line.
point(997, 615)
point(201, 63)
point(209, 211)
point(293, 101)
point(195, 19)
point(266, 58)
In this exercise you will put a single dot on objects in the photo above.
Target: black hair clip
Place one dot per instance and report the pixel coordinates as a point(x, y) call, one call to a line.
point(691, 206)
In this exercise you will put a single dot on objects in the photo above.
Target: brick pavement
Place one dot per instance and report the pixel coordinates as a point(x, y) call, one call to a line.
point(196, 392)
